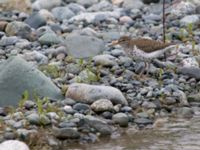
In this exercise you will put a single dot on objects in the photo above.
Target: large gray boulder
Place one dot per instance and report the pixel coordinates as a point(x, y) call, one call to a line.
point(81, 46)
point(17, 76)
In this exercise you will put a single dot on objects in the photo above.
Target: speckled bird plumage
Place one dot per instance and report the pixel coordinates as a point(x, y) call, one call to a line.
point(143, 49)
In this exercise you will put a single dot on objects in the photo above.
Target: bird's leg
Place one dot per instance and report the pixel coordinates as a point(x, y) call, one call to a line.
point(142, 72)
point(148, 67)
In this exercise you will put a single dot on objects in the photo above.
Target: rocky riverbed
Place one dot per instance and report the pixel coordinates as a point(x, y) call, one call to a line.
point(61, 82)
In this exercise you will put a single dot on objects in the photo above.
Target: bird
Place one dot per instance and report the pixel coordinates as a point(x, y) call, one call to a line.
point(143, 49)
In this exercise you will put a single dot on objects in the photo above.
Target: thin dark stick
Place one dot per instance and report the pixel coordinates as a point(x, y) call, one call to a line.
point(163, 21)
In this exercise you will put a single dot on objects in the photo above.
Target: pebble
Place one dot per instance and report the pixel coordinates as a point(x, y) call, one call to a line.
point(102, 105)
point(121, 119)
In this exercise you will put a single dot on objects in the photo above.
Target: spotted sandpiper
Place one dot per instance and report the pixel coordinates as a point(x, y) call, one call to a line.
point(143, 49)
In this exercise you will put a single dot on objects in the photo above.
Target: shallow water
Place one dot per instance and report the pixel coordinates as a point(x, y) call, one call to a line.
point(178, 134)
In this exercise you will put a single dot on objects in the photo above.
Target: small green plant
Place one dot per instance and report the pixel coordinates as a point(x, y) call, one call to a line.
point(25, 97)
point(50, 70)
point(39, 103)
point(160, 73)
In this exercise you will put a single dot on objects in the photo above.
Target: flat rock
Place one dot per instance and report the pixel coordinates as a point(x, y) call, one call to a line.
point(17, 76)
point(66, 133)
point(192, 72)
point(81, 46)
point(86, 93)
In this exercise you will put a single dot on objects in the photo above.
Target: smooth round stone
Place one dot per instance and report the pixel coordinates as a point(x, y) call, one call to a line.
point(107, 115)
point(126, 109)
point(90, 93)
point(13, 144)
point(68, 101)
point(121, 119)
point(62, 13)
point(68, 109)
point(117, 52)
point(80, 107)
point(33, 119)
point(76, 8)
point(49, 39)
point(102, 105)
point(17, 28)
point(105, 60)
point(125, 20)
point(35, 21)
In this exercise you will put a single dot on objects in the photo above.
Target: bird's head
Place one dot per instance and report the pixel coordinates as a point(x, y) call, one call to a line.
point(124, 40)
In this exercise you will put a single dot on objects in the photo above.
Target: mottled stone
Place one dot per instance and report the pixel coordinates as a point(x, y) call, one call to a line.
point(102, 105)
point(90, 93)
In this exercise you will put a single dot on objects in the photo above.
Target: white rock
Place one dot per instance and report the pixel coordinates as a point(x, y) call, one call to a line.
point(190, 62)
point(86, 93)
point(45, 4)
point(13, 145)
point(105, 60)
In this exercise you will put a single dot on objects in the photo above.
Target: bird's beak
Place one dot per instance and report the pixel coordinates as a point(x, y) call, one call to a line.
point(113, 43)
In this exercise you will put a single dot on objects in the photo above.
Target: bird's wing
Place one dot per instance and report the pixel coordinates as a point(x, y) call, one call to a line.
point(148, 45)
